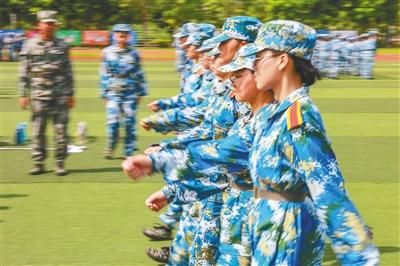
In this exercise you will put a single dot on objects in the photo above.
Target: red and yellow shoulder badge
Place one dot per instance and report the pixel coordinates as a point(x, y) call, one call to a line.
point(294, 118)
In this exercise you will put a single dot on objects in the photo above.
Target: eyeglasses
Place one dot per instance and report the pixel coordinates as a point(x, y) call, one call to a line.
point(266, 57)
point(234, 79)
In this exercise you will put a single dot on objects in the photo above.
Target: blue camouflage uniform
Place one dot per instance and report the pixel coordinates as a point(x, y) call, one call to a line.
point(367, 54)
point(190, 97)
point(189, 108)
point(187, 68)
point(193, 82)
point(205, 159)
point(292, 160)
point(121, 83)
point(224, 113)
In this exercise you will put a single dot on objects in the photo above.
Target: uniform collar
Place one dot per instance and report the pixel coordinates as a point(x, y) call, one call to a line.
point(289, 100)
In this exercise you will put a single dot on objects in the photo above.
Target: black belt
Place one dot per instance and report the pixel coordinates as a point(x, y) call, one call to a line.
point(237, 186)
point(280, 196)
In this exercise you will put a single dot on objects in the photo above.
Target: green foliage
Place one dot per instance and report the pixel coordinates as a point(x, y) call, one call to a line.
point(358, 15)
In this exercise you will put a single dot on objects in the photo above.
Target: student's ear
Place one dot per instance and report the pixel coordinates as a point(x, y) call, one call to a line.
point(283, 61)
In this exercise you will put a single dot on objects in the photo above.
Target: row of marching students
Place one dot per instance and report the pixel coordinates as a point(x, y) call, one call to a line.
point(251, 174)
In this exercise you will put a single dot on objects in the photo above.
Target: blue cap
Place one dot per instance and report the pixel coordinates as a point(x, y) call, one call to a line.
point(239, 27)
point(121, 28)
point(186, 29)
point(287, 36)
point(207, 45)
point(213, 52)
point(205, 31)
point(240, 62)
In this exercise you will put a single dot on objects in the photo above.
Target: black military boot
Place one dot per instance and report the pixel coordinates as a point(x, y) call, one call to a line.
point(158, 254)
point(60, 170)
point(37, 169)
point(158, 232)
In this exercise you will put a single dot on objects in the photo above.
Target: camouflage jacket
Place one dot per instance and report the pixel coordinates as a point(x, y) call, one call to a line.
point(121, 73)
point(45, 69)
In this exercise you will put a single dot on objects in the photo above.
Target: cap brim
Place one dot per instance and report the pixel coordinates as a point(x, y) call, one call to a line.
point(213, 52)
point(203, 49)
point(251, 49)
point(231, 67)
point(180, 35)
point(219, 38)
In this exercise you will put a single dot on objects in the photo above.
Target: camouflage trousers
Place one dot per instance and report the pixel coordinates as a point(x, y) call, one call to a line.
point(234, 247)
point(121, 111)
point(172, 216)
point(204, 250)
point(42, 111)
point(366, 64)
point(181, 245)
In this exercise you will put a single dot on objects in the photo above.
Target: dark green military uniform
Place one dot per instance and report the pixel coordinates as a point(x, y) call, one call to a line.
point(46, 77)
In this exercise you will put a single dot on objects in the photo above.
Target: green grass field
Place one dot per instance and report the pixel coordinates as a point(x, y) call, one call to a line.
point(95, 215)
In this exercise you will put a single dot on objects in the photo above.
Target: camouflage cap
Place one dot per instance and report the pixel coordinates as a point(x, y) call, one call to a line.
point(239, 62)
point(205, 31)
point(213, 52)
point(186, 29)
point(239, 27)
point(207, 45)
point(287, 36)
point(121, 28)
point(47, 16)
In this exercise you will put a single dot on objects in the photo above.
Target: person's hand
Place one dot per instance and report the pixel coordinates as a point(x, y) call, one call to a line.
point(153, 106)
point(152, 149)
point(156, 201)
point(145, 125)
point(137, 166)
point(71, 102)
point(23, 102)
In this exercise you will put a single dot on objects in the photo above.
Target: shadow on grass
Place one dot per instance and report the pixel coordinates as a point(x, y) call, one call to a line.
point(96, 170)
point(331, 258)
point(3, 208)
point(8, 196)
point(386, 249)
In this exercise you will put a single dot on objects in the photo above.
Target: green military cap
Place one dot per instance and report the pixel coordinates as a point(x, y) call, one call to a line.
point(47, 16)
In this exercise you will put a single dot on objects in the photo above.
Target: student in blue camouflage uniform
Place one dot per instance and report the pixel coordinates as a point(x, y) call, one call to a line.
point(191, 106)
point(188, 96)
point(172, 215)
point(367, 54)
point(231, 153)
point(299, 191)
point(179, 54)
point(187, 69)
point(223, 114)
point(122, 84)
point(355, 56)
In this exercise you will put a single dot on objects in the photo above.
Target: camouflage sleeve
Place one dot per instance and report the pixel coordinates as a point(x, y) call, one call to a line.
point(203, 131)
point(24, 69)
point(68, 74)
point(172, 163)
point(316, 163)
point(175, 119)
point(141, 81)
